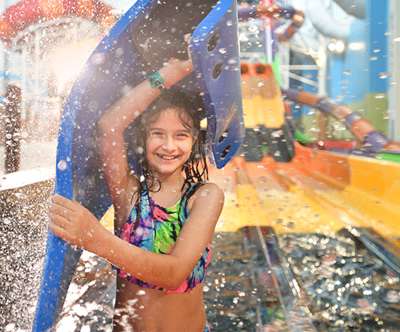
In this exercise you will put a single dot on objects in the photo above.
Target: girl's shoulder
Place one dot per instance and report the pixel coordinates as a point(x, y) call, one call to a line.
point(209, 187)
point(208, 192)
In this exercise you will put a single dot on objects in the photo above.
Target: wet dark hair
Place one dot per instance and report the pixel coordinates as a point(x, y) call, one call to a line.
point(191, 111)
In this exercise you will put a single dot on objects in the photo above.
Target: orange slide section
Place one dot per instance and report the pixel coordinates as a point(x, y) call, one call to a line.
point(317, 192)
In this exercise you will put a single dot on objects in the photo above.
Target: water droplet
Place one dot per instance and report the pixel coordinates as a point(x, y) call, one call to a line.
point(384, 75)
point(141, 292)
point(277, 153)
point(10, 327)
point(98, 58)
point(139, 231)
point(277, 133)
point(119, 51)
point(393, 296)
point(85, 328)
point(80, 310)
point(62, 165)
point(253, 28)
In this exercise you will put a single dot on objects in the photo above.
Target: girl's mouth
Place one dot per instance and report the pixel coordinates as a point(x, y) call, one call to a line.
point(166, 157)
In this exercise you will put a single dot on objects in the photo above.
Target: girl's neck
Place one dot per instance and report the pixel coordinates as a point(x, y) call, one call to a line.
point(171, 182)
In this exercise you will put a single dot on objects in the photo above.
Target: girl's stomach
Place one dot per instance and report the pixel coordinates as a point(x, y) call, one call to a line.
point(150, 310)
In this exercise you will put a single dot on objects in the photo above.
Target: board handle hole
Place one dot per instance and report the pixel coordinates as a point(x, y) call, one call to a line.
point(217, 70)
point(222, 137)
point(213, 42)
point(225, 152)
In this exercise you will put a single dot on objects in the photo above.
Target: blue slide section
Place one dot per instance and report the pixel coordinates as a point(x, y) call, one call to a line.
point(215, 56)
point(120, 62)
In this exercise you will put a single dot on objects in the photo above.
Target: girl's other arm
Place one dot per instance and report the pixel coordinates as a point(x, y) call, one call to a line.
point(75, 224)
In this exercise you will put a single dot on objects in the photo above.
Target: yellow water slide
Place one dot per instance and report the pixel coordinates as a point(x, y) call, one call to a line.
point(318, 191)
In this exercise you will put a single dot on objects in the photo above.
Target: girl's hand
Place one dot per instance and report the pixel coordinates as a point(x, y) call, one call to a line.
point(73, 223)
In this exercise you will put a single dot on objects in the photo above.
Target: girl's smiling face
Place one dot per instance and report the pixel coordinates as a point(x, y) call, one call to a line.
point(169, 141)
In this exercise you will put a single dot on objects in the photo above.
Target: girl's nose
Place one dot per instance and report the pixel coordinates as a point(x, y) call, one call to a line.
point(169, 143)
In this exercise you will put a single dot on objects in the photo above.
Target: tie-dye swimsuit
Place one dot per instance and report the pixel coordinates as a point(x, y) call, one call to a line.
point(156, 229)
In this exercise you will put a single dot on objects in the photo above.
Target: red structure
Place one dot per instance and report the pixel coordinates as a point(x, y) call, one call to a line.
point(24, 13)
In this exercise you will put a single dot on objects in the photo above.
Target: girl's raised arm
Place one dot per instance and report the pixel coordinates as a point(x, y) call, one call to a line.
point(113, 123)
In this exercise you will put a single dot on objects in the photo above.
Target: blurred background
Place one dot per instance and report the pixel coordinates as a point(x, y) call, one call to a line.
point(344, 50)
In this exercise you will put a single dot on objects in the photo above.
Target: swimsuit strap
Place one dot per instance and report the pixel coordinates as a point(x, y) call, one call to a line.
point(145, 203)
point(184, 213)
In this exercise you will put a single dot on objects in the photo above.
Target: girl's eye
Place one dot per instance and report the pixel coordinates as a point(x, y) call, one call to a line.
point(156, 133)
point(183, 135)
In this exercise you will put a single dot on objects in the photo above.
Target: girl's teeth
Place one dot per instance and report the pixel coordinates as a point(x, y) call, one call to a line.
point(167, 158)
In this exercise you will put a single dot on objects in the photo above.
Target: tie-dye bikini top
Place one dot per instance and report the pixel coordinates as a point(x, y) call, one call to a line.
point(156, 229)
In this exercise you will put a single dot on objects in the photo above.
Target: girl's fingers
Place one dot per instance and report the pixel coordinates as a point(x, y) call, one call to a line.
point(172, 61)
point(64, 202)
point(57, 230)
point(59, 221)
point(187, 37)
point(60, 211)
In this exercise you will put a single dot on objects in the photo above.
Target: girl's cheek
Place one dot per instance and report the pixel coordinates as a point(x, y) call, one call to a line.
point(152, 143)
point(186, 146)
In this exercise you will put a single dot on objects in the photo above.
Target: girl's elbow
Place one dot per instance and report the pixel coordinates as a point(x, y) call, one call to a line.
point(176, 279)
point(101, 125)
point(106, 126)
point(181, 278)
point(102, 132)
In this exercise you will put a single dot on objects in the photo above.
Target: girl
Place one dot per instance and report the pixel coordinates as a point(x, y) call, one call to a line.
point(165, 213)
